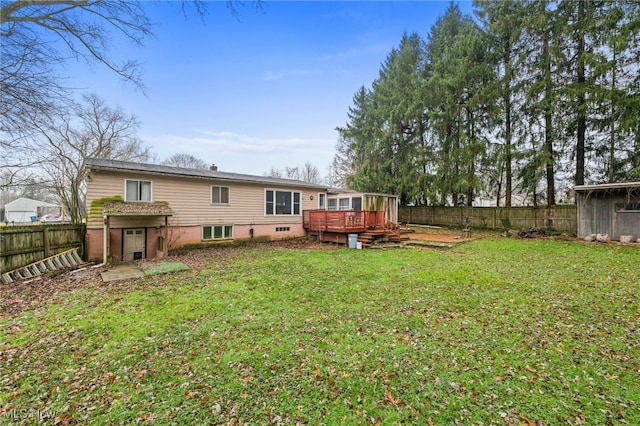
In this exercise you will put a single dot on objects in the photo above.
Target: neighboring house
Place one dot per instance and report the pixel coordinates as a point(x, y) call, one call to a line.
point(140, 210)
point(25, 210)
point(612, 209)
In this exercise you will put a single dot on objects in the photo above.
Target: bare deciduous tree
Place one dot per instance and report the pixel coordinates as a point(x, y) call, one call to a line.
point(38, 36)
point(187, 161)
point(93, 130)
point(308, 173)
point(274, 173)
point(84, 28)
point(342, 165)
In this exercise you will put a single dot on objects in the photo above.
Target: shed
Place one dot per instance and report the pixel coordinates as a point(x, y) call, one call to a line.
point(612, 208)
point(23, 209)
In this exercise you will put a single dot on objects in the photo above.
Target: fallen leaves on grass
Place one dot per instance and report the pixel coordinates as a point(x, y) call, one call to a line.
point(30, 295)
point(293, 337)
point(390, 399)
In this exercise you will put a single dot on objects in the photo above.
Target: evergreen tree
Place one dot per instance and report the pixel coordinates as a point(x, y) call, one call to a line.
point(542, 96)
point(444, 93)
point(502, 21)
point(399, 110)
point(615, 98)
point(524, 101)
point(356, 154)
point(459, 103)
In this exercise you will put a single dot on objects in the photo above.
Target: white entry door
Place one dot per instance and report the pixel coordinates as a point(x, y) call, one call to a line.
point(134, 244)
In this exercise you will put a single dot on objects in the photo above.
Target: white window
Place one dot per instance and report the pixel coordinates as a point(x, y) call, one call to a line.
point(333, 204)
point(137, 190)
point(356, 203)
point(217, 232)
point(345, 204)
point(322, 200)
point(219, 195)
point(282, 202)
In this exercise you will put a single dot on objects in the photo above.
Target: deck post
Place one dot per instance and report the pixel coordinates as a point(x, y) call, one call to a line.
point(106, 243)
point(165, 243)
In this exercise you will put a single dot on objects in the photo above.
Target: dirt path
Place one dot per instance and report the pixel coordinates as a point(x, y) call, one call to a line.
point(441, 235)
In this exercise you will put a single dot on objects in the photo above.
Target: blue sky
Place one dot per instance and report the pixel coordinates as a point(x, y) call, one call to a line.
point(262, 90)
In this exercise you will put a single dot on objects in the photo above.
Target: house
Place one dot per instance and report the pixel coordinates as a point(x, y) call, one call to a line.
point(25, 210)
point(140, 210)
point(612, 209)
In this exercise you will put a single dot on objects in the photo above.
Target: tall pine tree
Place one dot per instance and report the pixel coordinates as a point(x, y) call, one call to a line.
point(502, 22)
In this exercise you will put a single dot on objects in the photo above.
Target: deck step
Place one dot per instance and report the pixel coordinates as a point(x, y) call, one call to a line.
point(66, 260)
point(367, 238)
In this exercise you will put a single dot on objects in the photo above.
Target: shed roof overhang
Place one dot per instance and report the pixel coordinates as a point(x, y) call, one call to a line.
point(609, 186)
point(630, 190)
point(136, 209)
point(142, 209)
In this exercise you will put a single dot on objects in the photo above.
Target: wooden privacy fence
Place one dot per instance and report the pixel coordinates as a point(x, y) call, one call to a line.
point(561, 217)
point(23, 245)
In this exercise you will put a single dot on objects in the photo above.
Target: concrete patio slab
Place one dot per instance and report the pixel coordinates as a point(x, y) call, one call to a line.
point(122, 272)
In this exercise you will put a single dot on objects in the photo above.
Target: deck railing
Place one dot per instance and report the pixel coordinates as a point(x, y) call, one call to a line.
point(342, 221)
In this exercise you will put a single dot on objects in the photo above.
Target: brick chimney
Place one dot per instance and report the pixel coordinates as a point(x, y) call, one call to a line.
point(213, 168)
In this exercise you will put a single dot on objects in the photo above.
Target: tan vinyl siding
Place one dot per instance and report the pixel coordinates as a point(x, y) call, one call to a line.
point(190, 199)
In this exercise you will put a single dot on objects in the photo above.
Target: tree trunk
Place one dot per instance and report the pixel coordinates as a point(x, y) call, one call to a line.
point(612, 130)
point(507, 137)
point(499, 187)
point(581, 101)
point(548, 131)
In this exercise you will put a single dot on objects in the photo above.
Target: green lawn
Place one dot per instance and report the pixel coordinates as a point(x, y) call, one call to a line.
point(496, 331)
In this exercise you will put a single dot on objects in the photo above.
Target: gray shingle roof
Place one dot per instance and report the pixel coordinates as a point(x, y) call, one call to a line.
point(99, 163)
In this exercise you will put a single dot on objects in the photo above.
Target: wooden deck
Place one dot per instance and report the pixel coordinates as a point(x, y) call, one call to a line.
point(334, 226)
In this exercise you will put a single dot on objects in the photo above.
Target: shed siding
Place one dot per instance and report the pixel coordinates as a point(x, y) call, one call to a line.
point(597, 215)
point(594, 215)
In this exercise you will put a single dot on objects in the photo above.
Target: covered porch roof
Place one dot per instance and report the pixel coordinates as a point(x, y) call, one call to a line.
point(124, 209)
point(121, 208)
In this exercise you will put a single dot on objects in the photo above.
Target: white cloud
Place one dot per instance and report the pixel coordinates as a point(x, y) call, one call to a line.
point(231, 142)
point(240, 153)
